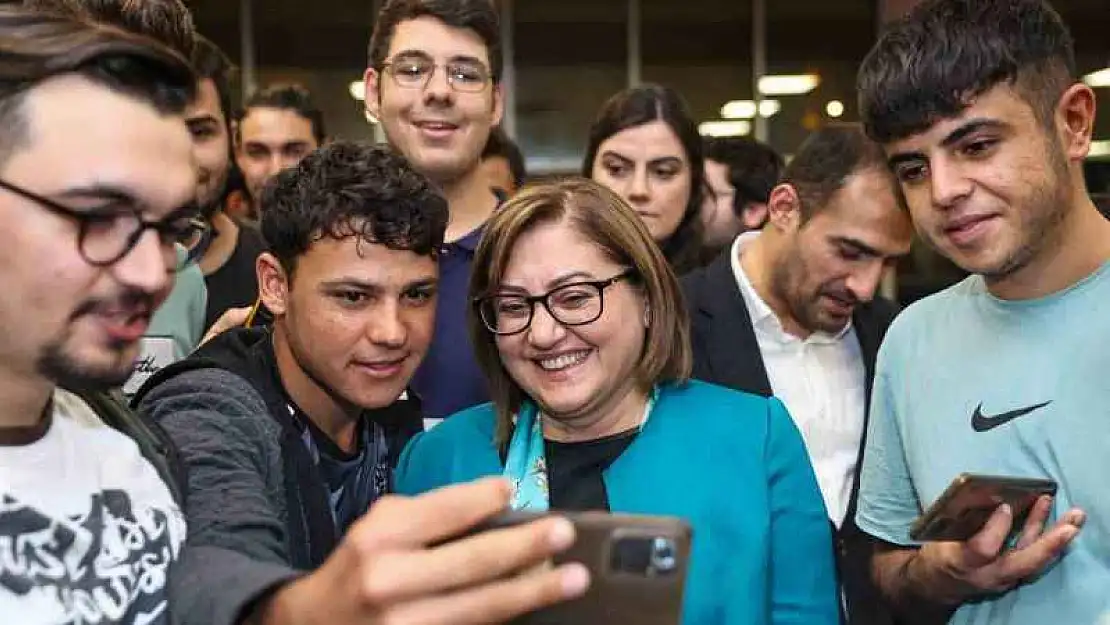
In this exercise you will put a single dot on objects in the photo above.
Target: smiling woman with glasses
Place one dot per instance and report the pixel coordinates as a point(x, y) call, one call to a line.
point(573, 304)
point(580, 329)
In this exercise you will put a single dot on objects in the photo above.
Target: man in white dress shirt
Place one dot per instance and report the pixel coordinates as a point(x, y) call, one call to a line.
point(792, 311)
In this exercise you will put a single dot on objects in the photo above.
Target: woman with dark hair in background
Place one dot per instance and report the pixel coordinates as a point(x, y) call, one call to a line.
point(644, 145)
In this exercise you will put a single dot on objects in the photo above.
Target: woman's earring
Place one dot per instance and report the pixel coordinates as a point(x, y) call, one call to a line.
point(647, 317)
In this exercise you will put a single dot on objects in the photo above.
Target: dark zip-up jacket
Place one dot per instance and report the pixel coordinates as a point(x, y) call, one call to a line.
point(256, 504)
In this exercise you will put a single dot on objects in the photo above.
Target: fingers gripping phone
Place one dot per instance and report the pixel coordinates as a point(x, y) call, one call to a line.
point(637, 567)
point(970, 500)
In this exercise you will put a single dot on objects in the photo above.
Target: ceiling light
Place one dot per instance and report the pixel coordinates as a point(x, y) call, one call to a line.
point(1099, 149)
point(788, 84)
point(1101, 78)
point(732, 128)
point(835, 108)
point(358, 90)
point(738, 109)
point(747, 109)
point(768, 108)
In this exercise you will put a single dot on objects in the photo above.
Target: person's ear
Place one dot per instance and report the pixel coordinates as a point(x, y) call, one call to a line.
point(784, 208)
point(498, 104)
point(273, 283)
point(1075, 120)
point(372, 94)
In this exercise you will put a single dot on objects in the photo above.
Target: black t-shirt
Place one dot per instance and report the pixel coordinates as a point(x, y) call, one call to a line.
point(235, 284)
point(574, 471)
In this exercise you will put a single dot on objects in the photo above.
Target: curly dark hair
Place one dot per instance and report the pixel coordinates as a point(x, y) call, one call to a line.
point(347, 189)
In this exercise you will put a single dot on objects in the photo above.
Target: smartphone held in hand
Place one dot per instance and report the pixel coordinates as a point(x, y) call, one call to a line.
point(970, 500)
point(637, 567)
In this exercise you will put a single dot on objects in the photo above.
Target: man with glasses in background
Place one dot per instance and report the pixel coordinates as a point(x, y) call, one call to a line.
point(94, 198)
point(434, 85)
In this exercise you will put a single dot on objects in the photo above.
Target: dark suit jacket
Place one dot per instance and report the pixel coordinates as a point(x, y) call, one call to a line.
point(726, 352)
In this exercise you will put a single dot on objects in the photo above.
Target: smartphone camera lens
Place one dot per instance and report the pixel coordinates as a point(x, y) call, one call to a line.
point(664, 559)
point(647, 556)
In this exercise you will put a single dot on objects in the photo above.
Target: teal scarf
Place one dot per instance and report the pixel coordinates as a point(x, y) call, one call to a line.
point(525, 465)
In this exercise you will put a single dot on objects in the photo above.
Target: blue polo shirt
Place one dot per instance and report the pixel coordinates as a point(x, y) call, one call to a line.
point(449, 379)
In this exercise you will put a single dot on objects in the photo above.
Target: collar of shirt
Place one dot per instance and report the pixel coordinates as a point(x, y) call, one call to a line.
point(763, 317)
point(470, 241)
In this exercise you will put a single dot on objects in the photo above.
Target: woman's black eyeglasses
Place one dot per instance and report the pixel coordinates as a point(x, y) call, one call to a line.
point(574, 304)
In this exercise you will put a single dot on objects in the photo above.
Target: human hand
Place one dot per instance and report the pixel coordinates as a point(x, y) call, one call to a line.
point(385, 572)
point(232, 318)
point(955, 572)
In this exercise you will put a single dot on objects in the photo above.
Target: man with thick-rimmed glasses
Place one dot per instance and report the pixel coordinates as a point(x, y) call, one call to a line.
point(179, 323)
point(92, 198)
point(434, 85)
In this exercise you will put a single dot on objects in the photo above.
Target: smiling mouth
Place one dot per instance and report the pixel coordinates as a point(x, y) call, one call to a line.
point(965, 230)
point(563, 361)
point(436, 126)
point(384, 368)
point(965, 223)
point(126, 326)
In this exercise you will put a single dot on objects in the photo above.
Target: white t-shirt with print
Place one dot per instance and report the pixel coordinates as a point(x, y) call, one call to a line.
point(88, 529)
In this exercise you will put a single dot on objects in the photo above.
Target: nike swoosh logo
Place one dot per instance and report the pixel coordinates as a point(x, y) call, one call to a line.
point(983, 423)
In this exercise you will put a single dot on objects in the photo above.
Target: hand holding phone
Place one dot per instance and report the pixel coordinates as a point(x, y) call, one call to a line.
point(637, 567)
point(394, 566)
point(970, 500)
point(951, 568)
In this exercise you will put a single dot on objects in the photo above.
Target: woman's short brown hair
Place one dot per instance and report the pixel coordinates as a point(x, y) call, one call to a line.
point(603, 217)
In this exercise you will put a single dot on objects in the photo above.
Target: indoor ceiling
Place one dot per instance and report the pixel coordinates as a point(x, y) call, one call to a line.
point(334, 33)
